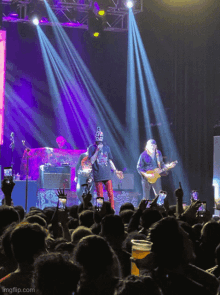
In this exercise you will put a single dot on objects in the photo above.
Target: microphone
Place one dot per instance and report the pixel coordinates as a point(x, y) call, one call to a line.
point(23, 142)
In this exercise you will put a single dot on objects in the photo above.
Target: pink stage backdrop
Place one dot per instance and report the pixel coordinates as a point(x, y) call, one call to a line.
point(2, 81)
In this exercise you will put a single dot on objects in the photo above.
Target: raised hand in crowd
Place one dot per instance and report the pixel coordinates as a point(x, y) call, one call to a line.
point(143, 204)
point(179, 192)
point(179, 200)
point(189, 215)
point(154, 202)
point(7, 188)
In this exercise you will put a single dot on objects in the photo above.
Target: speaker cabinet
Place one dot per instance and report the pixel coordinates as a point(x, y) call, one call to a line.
point(127, 183)
point(55, 177)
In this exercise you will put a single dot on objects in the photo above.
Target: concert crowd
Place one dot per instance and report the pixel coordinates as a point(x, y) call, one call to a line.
point(88, 250)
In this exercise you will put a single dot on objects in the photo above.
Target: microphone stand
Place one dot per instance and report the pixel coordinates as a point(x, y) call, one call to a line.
point(27, 175)
point(12, 146)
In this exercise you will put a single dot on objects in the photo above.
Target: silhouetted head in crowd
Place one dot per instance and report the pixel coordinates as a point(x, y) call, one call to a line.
point(36, 212)
point(66, 247)
point(79, 233)
point(197, 228)
point(126, 215)
point(49, 212)
point(95, 257)
point(127, 206)
point(112, 226)
point(36, 219)
point(20, 211)
point(51, 243)
point(172, 210)
point(210, 233)
point(127, 245)
point(59, 227)
point(108, 208)
point(86, 218)
point(28, 241)
point(8, 215)
point(73, 223)
point(96, 228)
point(97, 217)
point(149, 216)
point(9, 264)
point(217, 255)
point(133, 285)
point(6, 240)
point(168, 243)
point(73, 211)
point(35, 209)
point(55, 274)
point(139, 285)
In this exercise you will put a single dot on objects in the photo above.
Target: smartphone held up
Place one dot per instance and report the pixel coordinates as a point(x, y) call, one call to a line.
point(194, 195)
point(161, 198)
point(99, 203)
point(8, 174)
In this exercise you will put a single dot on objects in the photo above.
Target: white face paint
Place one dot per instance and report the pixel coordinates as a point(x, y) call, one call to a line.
point(99, 136)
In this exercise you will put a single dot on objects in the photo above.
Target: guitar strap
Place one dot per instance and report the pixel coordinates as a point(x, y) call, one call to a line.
point(158, 159)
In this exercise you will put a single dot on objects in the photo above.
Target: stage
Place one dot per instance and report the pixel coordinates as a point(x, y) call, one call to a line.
point(42, 198)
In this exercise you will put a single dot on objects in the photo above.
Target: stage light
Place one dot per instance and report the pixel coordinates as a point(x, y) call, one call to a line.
point(35, 21)
point(101, 12)
point(96, 34)
point(129, 4)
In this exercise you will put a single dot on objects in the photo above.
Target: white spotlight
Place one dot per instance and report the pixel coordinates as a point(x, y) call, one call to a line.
point(129, 4)
point(35, 21)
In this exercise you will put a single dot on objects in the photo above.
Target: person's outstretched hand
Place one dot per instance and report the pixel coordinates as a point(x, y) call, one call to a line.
point(190, 213)
point(179, 192)
point(154, 202)
point(7, 188)
point(61, 193)
point(142, 206)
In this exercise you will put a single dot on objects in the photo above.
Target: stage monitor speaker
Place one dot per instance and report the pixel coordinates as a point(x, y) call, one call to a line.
point(127, 183)
point(55, 177)
point(19, 193)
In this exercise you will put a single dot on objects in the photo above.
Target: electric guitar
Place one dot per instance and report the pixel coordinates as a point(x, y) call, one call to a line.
point(153, 175)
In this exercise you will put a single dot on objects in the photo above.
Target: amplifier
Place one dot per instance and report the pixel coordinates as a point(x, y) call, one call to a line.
point(53, 177)
point(127, 183)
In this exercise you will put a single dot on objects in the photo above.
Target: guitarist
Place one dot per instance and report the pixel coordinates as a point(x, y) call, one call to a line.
point(150, 159)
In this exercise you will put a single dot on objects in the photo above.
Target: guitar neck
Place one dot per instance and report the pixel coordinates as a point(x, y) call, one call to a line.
point(165, 169)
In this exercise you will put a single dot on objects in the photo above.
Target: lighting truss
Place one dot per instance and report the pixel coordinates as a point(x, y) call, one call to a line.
point(71, 13)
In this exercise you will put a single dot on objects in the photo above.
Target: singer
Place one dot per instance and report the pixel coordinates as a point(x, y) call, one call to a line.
point(150, 160)
point(101, 158)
